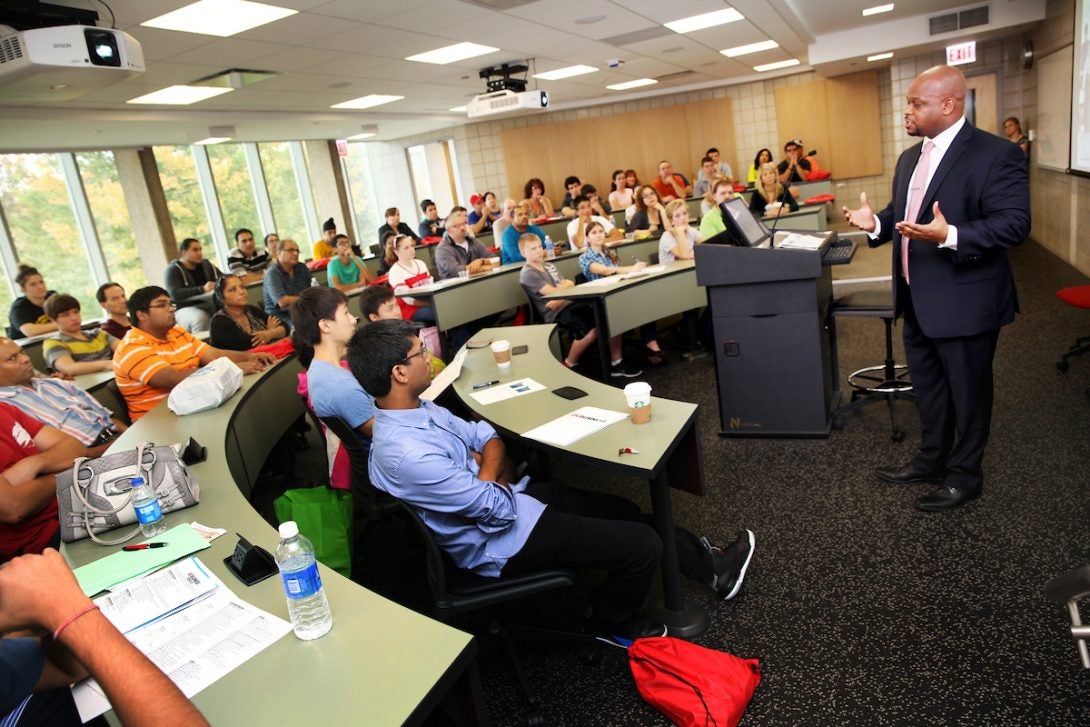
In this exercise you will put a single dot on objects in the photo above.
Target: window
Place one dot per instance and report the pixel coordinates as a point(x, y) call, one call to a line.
point(362, 190)
point(233, 188)
point(43, 227)
point(283, 194)
point(178, 175)
point(107, 202)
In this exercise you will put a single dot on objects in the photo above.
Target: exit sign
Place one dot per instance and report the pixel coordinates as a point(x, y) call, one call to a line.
point(961, 53)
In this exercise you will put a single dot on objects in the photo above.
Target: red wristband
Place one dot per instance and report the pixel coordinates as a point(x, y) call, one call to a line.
point(85, 610)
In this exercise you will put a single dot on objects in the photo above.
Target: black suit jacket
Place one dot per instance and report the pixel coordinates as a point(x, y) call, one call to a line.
point(982, 188)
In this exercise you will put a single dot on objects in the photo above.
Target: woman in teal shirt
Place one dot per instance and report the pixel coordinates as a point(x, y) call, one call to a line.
point(346, 271)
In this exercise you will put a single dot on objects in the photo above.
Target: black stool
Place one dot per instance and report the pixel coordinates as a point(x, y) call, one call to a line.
point(872, 384)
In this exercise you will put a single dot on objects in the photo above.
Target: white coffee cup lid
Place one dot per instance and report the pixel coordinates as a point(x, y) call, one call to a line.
point(501, 345)
point(638, 388)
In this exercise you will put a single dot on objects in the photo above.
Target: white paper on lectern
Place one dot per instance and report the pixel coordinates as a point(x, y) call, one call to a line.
point(196, 645)
point(575, 425)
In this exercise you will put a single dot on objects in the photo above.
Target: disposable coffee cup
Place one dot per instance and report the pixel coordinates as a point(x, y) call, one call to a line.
point(495, 261)
point(773, 206)
point(638, 397)
point(463, 274)
point(501, 350)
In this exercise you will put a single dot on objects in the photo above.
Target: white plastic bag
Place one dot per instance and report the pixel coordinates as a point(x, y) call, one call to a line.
point(207, 388)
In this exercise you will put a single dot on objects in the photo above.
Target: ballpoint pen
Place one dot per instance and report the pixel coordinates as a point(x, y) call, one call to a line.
point(485, 384)
point(144, 546)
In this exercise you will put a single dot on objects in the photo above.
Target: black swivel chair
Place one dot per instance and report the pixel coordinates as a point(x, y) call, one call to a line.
point(455, 591)
point(886, 383)
point(1070, 588)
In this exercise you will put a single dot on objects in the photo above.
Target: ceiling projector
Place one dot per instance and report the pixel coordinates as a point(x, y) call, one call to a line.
point(63, 62)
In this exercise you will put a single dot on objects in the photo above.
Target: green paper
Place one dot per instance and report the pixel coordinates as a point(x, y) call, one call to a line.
point(119, 566)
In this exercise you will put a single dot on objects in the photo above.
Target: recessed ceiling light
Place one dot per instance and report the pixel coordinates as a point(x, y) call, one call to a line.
point(879, 57)
point(459, 109)
point(219, 17)
point(366, 102)
point(453, 53)
point(590, 20)
point(632, 84)
point(567, 72)
point(878, 9)
point(672, 49)
point(180, 95)
point(742, 50)
point(777, 65)
point(704, 20)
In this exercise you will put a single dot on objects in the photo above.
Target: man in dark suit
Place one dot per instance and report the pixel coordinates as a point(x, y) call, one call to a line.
point(960, 199)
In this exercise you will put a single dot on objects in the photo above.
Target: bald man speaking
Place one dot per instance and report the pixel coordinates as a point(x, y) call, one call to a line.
point(960, 200)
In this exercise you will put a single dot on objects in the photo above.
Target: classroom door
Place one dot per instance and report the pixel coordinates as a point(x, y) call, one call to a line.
point(982, 102)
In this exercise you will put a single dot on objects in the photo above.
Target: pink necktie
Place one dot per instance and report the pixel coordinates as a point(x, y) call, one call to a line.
point(915, 198)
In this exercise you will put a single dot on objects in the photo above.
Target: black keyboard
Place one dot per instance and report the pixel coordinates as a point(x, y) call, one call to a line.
point(838, 253)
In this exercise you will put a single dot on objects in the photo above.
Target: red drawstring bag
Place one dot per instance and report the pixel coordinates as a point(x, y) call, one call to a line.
point(690, 684)
point(280, 349)
point(322, 264)
point(819, 199)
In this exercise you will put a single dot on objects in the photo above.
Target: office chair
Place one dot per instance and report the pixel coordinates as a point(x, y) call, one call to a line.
point(1079, 297)
point(888, 382)
point(1070, 588)
point(455, 591)
point(121, 410)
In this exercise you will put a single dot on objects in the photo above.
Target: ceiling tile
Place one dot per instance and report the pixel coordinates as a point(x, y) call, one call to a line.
point(228, 53)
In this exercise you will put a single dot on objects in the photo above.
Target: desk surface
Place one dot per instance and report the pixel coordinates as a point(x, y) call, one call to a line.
point(381, 663)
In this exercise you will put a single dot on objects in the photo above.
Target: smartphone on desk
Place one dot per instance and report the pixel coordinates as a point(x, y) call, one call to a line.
point(519, 350)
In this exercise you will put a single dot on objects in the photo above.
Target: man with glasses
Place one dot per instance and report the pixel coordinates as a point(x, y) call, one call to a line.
point(285, 280)
point(157, 355)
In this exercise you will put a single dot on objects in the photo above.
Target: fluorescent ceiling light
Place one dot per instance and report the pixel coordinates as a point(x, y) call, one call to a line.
point(362, 135)
point(565, 72)
point(213, 140)
point(704, 20)
point(777, 65)
point(742, 50)
point(632, 84)
point(878, 9)
point(179, 95)
point(219, 17)
point(453, 53)
point(366, 102)
point(879, 56)
point(459, 109)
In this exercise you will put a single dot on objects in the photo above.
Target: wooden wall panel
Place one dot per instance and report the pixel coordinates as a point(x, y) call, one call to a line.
point(592, 148)
point(839, 117)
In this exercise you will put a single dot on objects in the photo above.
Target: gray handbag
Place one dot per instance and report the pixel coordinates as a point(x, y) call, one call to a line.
point(94, 496)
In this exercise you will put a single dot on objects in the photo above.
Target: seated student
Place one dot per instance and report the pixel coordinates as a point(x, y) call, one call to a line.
point(431, 225)
point(507, 215)
point(111, 296)
point(246, 260)
point(711, 224)
point(395, 225)
point(157, 355)
point(764, 156)
point(380, 304)
point(187, 279)
point(42, 596)
point(650, 214)
point(408, 272)
point(677, 242)
point(632, 181)
point(27, 316)
point(451, 471)
point(459, 251)
point(534, 193)
point(584, 216)
point(239, 326)
point(620, 195)
point(272, 245)
point(520, 225)
point(31, 453)
point(323, 325)
point(323, 248)
point(794, 167)
point(482, 215)
point(346, 271)
point(56, 402)
point(540, 278)
point(669, 185)
point(709, 175)
point(598, 261)
point(285, 279)
point(600, 206)
point(722, 168)
point(574, 188)
point(770, 191)
point(75, 351)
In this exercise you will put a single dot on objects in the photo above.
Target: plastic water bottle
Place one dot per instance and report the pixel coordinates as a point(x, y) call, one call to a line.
point(550, 248)
point(314, 282)
point(307, 604)
point(146, 504)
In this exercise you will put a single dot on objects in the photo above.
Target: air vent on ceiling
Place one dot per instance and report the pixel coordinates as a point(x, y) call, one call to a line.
point(948, 23)
point(674, 76)
point(659, 31)
point(10, 48)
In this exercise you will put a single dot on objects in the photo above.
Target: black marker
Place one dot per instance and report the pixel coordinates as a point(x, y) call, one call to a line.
point(485, 385)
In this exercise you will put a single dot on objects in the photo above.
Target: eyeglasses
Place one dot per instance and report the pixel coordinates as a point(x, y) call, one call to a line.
point(172, 306)
point(423, 352)
point(290, 249)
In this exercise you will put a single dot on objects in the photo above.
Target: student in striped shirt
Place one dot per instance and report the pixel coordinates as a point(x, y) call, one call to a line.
point(156, 355)
point(75, 351)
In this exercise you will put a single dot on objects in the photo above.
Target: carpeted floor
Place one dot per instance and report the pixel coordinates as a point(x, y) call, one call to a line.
point(861, 609)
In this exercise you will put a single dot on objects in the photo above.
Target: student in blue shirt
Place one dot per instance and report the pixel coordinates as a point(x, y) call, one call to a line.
point(453, 473)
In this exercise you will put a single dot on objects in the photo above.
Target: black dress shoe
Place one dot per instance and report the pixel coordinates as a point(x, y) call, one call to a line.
point(946, 498)
point(907, 474)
